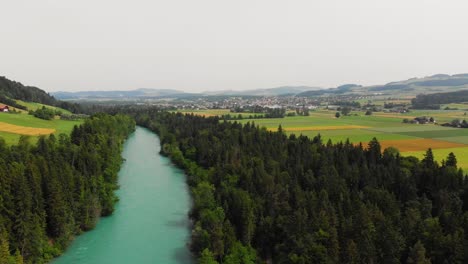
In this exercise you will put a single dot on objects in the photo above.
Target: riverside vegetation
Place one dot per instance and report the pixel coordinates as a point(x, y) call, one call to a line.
point(51, 191)
point(261, 195)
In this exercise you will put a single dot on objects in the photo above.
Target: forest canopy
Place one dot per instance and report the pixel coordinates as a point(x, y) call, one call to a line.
point(51, 191)
point(262, 195)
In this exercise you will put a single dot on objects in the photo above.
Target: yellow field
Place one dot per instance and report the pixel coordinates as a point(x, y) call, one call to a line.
point(394, 115)
point(441, 154)
point(22, 130)
point(201, 114)
point(207, 113)
point(320, 128)
point(405, 145)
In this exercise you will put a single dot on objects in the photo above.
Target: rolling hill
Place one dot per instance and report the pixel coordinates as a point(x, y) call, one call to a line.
point(18, 122)
point(409, 88)
point(138, 93)
point(168, 93)
point(437, 83)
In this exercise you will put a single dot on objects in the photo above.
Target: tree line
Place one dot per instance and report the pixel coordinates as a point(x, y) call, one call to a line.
point(433, 101)
point(59, 187)
point(260, 195)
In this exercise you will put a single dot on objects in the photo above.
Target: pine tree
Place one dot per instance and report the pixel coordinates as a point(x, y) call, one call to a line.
point(417, 254)
point(428, 160)
point(451, 160)
point(18, 258)
point(207, 257)
point(352, 252)
point(240, 254)
point(4, 248)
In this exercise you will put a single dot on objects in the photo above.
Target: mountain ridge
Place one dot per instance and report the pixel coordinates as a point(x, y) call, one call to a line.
point(429, 84)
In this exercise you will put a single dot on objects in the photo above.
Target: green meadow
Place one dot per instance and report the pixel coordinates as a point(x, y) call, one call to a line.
point(34, 106)
point(441, 154)
point(25, 120)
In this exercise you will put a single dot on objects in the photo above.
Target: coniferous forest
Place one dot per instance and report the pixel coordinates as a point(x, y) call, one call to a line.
point(58, 188)
point(263, 196)
point(258, 196)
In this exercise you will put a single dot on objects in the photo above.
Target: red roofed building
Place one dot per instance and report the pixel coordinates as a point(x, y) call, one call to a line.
point(4, 108)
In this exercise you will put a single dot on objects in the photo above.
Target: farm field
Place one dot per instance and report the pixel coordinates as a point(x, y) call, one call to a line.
point(35, 106)
point(23, 130)
point(217, 112)
point(12, 126)
point(441, 154)
point(207, 113)
point(388, 128)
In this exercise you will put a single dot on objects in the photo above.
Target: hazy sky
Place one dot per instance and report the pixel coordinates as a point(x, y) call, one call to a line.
point(198, 45)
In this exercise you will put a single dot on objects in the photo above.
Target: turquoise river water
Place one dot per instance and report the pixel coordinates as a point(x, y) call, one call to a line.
point(150, 222)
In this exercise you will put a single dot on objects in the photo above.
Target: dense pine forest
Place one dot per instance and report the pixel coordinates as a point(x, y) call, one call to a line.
point(51, 191)
point(263, 196)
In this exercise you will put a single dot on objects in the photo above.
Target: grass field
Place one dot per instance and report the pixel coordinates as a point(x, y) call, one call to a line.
point(441, 154)
point(12, 126)
point(35, 106)
point(388, 128)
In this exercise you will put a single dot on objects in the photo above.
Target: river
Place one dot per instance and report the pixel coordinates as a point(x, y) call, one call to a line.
point(150, 222)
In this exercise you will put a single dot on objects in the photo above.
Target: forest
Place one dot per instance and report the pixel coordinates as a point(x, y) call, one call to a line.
point(15, 90)
point(58, 188)
point(433, 101)
point(263, 196)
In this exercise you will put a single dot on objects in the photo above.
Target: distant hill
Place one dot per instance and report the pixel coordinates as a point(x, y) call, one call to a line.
point(277, 91)
point(138, 93)
point(342, 89)
point(164, 93)
point(437, 83)
point(431, 84)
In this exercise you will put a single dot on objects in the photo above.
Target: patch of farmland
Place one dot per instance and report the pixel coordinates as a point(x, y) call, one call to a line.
point(462, 139)
point(458, 132)
point(407, 145)
point(22, 130)
point(373, 121)
point(441, 154)
point(318, 128)
point(354, 135)
point(293, 122)
point(426, 112)
point(10, 138)
point(206, 114)
point(460, 106)
point(393, 115)
point(25, 120)
point(325, 119)
point(410, 128)
point(34, 106)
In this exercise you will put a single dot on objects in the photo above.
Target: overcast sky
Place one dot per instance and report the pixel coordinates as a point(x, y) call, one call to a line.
point(199, 45)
